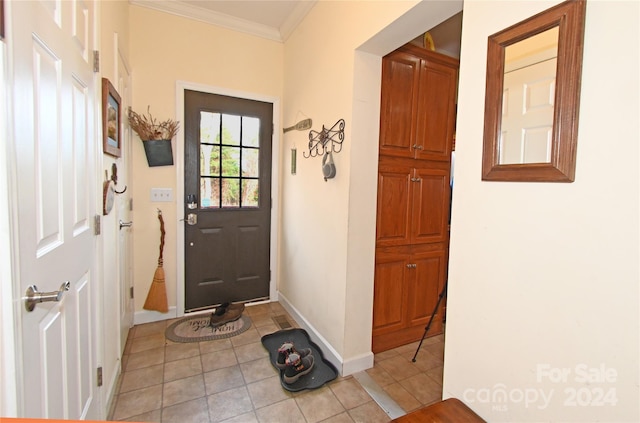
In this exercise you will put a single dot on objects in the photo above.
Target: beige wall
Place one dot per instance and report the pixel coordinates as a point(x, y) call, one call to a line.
point(319, 69)
point(332, 71)
point(166, 49)
point(532, 265)
point(507, 311)
point(545, 276)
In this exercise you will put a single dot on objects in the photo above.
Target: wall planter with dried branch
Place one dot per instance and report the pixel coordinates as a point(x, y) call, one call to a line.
point(156, 137)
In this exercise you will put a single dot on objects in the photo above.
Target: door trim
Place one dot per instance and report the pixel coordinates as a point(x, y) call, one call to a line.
point(10, 374)
point(181, 86)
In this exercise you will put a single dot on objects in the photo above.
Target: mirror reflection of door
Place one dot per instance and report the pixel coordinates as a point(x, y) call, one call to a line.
point(528, 99)
point(228, 170)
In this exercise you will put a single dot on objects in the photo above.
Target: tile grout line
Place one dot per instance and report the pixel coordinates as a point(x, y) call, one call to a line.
point(379, 396)
point(384, 400)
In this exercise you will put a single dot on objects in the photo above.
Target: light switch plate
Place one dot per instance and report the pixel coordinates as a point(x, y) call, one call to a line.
point(161, 194)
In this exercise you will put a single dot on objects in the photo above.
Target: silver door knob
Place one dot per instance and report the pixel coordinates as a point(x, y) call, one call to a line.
point(125, 224)
point(192, 219)
point(34, 297)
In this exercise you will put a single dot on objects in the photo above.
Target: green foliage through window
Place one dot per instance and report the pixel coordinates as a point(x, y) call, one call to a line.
point(229, 165)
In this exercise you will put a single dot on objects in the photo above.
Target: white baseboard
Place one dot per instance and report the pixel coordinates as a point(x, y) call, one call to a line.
point(110, 391)
point(357, 364)
point(148, 316)
point(330, 354)
point(345, 367)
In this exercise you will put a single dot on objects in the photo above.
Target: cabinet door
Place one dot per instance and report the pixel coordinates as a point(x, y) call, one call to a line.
point(436, 109)
point(408, 281)
point(390, 292)
point(425, 287)
point(394, 208)
point(430, 205)
point(400, 73)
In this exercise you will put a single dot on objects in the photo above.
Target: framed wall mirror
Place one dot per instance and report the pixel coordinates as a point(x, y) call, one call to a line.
point(532, 97)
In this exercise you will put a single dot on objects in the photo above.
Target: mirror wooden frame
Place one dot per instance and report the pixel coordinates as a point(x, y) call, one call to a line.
point(570, 17)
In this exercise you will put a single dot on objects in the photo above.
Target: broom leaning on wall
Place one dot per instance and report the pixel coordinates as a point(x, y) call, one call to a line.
point(157, 297)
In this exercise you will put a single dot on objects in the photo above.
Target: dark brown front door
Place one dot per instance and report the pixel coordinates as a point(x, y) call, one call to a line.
point(228, 190)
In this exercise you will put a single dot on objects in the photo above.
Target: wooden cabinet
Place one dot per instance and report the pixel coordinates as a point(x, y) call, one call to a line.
point(408, 280)
point(417, 108)
point(413, 202)
point(412, 228)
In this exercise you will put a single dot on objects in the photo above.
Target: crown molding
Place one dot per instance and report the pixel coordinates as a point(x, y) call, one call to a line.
point(294, 19)
point(207, 16)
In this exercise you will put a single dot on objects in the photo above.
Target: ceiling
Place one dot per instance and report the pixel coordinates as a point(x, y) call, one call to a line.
point(271, 19)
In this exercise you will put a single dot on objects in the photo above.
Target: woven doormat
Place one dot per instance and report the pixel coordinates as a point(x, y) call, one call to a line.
point(198, 328)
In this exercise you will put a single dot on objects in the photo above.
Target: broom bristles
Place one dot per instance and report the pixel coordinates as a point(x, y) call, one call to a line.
point(157, 297)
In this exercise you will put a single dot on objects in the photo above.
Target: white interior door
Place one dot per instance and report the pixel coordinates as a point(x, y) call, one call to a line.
point(54, 144)
point(527, 113)
point(124, 207)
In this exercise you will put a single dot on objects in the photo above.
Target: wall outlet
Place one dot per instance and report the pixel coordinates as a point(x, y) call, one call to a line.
point(161, 194)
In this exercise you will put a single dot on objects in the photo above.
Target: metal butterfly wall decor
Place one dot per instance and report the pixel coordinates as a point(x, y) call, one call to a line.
point(325, 141)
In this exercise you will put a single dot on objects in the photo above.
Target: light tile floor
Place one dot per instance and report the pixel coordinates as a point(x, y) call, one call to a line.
point(232, 380)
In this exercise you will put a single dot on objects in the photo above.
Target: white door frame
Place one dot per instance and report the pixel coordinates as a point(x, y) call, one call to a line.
point(181, 86)
point(9, 369)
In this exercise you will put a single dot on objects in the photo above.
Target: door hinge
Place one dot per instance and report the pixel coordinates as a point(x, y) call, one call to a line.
point(131, 292)
point(96, 225)
point(99, 376)
point(96, 61)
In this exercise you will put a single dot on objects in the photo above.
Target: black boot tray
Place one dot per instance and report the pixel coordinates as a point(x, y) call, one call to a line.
point(322, 372)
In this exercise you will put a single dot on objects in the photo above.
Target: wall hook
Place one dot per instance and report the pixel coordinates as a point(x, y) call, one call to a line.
point(325, 141)
point(114, 178)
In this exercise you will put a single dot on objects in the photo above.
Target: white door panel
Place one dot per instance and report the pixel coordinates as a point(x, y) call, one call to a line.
point(124, 211)
point(55, 147)
point(52, 365)
point(527, 114)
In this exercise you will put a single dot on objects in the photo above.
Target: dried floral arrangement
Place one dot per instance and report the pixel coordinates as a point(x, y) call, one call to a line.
point(149, 128)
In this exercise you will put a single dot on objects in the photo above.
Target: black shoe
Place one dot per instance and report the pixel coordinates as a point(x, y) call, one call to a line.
point(296, 367)
point(286, 349)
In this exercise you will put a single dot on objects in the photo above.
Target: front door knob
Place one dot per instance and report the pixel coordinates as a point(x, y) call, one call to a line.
point(192, 219)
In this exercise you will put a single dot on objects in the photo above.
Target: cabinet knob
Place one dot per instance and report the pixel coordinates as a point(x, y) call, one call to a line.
point(411, 266)
point(415, 179)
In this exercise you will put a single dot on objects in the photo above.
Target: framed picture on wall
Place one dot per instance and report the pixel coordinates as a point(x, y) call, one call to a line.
point(1, 19)
point(111, 120)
